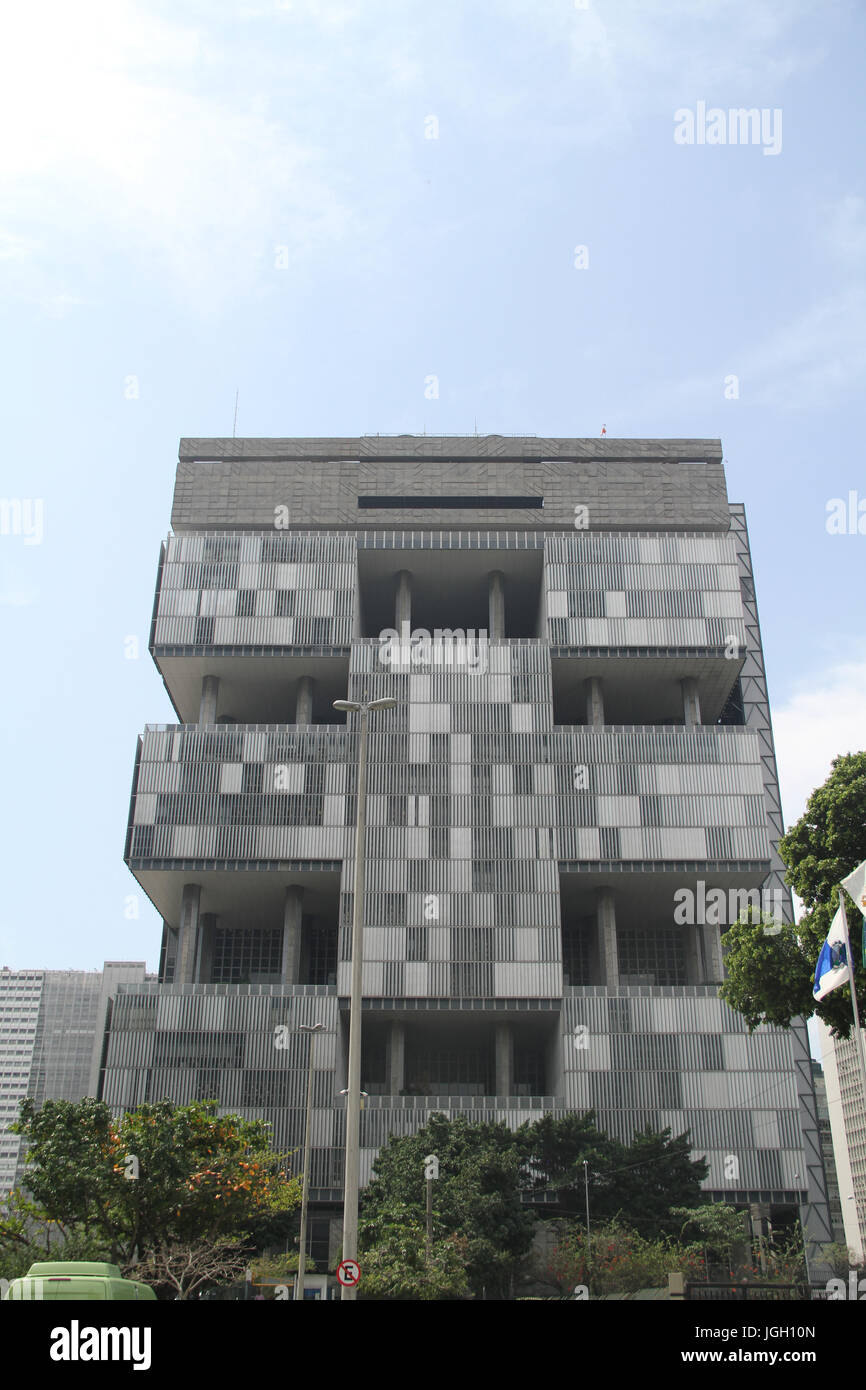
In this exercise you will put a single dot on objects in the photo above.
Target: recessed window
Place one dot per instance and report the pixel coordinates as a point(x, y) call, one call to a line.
point(481, 503)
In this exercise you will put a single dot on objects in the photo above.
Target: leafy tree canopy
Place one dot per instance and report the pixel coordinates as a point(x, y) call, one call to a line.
point(770, 975)
point(718, 1227)
point(477, 1196)
point(399, 1266)
point(159, 1175)
point(648, 1179)
point(637, 1183)
point(489, 1175)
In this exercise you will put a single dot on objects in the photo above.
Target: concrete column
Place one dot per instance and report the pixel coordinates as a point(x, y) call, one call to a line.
point(714, 969)
point(694, 964)
point(403, 608)
point(163, 951)
point(504, 1059)
point(594, 702)
point(304, 702)
point(608, 955)
point(204, 968)
point(190, 904)
point(292, 916)
point(397, 1063)
point(496, 604)
point(207, 711)
point(691, 702)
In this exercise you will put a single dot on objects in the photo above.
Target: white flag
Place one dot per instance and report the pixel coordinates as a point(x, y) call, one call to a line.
point(832, 968)
point(855, 886)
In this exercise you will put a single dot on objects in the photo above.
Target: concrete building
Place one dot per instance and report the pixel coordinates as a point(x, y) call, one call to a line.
point(847, 1115)
point(580, 764)
point(52, 1031)
point(826, 1132)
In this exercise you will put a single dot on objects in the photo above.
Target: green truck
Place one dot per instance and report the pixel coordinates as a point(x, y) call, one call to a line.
point(78, 1281)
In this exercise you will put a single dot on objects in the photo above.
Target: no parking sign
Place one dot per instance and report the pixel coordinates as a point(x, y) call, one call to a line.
point(349, 1273)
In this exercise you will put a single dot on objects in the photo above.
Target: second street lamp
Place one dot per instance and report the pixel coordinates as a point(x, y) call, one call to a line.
point(352, 1174)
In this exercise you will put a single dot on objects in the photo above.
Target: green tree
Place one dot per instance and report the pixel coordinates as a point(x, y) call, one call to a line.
point(556, 1148)
point(636, 1183)
point(648, 1179)
point(718, 1228)
point(280, 1265)
point(770, 975)
point(157, 1176)
point(840, 1259)
point(398, 1266)
point(477, 1196)
point(28, 1235)
point(617, 1259)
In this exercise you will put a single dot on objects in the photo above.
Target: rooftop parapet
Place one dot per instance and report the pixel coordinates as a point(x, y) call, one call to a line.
point(475, 483)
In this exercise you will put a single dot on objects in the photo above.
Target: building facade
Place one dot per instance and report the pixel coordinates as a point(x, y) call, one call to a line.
point(826, 1131)
point(575, 794)
point(52, 1033)
point(847, 1118)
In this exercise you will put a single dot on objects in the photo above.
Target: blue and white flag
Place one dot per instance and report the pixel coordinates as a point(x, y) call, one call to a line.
point(832, 968)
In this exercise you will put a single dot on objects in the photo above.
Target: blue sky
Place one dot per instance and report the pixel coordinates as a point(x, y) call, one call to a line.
point(198, 199)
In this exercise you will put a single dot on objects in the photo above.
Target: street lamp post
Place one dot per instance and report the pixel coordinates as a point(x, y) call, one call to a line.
point(353, 1098)
point(586, 1187)
point(312, 1029)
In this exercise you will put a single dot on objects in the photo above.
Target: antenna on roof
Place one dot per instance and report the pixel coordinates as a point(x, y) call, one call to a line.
point(235, 425)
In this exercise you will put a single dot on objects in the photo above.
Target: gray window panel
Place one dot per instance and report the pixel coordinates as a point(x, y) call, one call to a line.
point(416, 943)
point(610, 846)
point(241, 954)
point(790, 1136)
point(712, 1058)
point(652, 1052)
point(654, 956)
point(619, 1015)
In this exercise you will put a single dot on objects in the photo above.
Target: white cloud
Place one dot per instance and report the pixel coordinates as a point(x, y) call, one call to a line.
point(846, 228)
point(15, 248)
point(818, 357)
point(58, 306)
point(813, 361)
point(193, 141)
point(634, 52)
point(18, 598)
point(819, 722)
point(129, 136)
